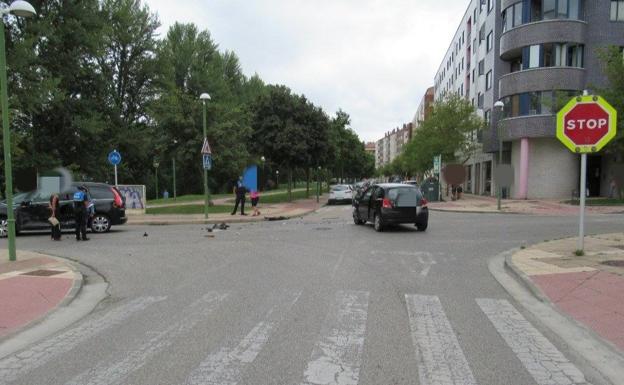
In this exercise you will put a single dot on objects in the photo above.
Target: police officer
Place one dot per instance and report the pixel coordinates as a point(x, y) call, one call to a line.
point(240, 190)
point(81, 200)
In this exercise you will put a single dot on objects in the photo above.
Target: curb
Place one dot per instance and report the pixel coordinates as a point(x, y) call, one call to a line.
point(72, 293)
point(477, 211)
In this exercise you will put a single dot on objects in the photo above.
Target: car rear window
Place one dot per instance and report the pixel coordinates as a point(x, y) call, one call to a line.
point(340, 188)
point(403, 196)
point(101, 192)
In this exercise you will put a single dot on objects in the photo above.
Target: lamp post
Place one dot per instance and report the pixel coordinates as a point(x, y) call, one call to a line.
point(263, 179)
point(499, 106)
point(22, 9)
point(173, 167)
point(156, 164)
point(277, 179)
point(318, 183)
point(205, 98)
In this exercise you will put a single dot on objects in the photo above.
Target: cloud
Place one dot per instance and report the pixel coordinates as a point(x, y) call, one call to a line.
point(372, 58)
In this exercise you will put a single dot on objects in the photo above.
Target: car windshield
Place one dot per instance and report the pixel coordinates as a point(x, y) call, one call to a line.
point(403, 196)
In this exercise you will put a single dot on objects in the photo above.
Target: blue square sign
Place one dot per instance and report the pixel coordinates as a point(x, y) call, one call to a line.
point(207, 162)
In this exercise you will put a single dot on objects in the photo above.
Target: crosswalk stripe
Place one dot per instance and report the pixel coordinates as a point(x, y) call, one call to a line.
point(16, 365)
point(337, 355)
point(539, 356)
point(104, 374)
point(440, 358)
point(225, 367)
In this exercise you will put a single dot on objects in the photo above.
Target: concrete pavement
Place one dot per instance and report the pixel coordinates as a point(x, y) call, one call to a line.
point(587, 288)
point(312, 300)
point(32, 287)
point(488, 205)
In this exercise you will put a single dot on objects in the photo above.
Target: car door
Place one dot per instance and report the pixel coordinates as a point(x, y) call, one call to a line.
point(34, 212)
point(364, 202)
point(67, 208)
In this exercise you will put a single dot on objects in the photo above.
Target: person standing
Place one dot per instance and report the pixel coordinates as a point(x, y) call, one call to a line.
point(255, 197)
point(55, 215)
point(240, 191)
point(81, 201)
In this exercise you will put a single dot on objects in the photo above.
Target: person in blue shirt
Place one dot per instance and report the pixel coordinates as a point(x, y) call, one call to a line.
point(81, 202)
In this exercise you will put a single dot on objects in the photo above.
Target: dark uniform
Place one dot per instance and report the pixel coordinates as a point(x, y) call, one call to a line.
point(80, 214)
point(240, 197)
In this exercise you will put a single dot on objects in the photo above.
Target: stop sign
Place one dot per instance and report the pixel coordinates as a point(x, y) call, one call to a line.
point(586, 124)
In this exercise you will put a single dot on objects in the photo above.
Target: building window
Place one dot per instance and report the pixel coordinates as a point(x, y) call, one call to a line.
point(473, 75)
point(617, 10)
point(487, 117)
point(536, 103)
point(490, 5)
point(482, 34)
point(534, 56)
point(549, 9)
point(481, 67)
point(512, 16)
point(480, 100)
point(488, 80)
point(552, 55)
point(490, 41)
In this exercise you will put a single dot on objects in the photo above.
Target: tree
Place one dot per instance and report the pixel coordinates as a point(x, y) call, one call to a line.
point(613, 67)
point(447, 131)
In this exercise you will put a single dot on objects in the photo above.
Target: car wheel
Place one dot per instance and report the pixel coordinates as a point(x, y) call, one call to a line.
point(4, 228)
point(378, 223)
point(100, 223)
point(421, 226)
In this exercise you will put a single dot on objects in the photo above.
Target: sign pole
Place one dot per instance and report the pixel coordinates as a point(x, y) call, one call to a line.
point(582, 189)
point(116, 176)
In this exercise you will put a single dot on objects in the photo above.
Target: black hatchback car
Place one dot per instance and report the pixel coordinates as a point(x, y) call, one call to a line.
point(31, 209)
point(391, 204)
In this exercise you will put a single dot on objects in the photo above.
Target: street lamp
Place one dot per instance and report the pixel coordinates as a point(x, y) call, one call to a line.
point(277, 179)
point(156, 164)
point(22, 9)
point(318, 183)
point(205, 98)
point(173, 167)
point(499, 106)
point(263, 179)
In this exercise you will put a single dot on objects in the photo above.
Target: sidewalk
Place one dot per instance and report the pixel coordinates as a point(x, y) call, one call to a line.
point(278, 210)
point(217, 201)
point(33, 286)
point(586, 288)
point(482, 204)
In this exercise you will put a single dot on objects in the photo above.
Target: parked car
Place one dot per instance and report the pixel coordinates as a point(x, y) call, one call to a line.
point(32, 213)
point(411, 182)
point(341, 193)
point(391, 204)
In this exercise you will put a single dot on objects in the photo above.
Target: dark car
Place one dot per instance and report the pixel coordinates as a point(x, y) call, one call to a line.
point(32, 209)
point(391, 204)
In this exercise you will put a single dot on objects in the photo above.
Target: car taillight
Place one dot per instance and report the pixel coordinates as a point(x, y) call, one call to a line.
point(117, 200)
point(386, 204)
point(423, 202)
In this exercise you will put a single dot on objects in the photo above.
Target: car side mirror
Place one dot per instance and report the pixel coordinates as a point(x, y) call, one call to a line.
point(26, 204)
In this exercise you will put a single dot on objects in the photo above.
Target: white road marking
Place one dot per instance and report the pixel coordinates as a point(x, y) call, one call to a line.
point(115, 373)
point(430, 262)
point(16, 365)
point(441, 360)
point(539, 356)
point(226, 366)
point(337, 265)
point(336, 357)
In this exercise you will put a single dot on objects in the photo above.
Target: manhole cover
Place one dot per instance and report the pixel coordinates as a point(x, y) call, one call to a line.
point(43, 273)
point(322, 228)
point(619, 263)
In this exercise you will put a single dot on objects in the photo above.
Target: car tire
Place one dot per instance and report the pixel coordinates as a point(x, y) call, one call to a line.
point(378, 223)
point(422, 226)
point(100, 224)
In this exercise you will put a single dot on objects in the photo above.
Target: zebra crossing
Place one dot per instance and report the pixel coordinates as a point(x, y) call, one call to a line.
point(335, 356)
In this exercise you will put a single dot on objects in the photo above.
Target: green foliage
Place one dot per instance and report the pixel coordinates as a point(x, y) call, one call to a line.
point(613, 67)
point(449, 131)
point(90, 76)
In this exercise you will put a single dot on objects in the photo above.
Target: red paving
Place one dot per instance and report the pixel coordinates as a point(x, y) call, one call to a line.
point(26, 298)
point(593, 298)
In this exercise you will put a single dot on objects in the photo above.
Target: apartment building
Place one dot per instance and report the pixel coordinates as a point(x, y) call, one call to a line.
point(424, 107)
point(532, 55)
point(391, 145)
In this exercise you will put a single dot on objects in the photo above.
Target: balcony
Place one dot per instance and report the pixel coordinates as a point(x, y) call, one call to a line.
point(542, 79)
point(533, 126)
point(540, 32)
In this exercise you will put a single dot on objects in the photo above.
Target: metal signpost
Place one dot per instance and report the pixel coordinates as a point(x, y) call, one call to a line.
point(437, 169)
point(585, 125)
point(207, 164)
point(114, 158)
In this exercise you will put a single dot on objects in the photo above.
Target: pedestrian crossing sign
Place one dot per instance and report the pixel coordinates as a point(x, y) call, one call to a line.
point(207, 161)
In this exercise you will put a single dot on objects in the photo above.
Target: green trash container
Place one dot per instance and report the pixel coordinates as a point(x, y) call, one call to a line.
point(431, 189)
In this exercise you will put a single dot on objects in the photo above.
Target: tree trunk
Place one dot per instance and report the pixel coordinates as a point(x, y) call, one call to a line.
point(308, 182)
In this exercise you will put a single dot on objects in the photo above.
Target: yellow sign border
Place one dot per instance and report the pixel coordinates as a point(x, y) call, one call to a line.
point(612, 130)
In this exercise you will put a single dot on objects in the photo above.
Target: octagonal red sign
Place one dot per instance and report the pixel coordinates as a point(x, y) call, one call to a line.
point(586, 124)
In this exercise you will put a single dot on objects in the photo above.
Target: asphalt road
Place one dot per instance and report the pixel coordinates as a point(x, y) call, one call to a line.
point(316, 300)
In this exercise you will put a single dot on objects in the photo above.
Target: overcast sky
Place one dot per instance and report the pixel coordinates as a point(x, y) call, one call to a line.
point(372, 58)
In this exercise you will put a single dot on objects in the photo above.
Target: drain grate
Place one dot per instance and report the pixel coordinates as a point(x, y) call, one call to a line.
point(617, 263)
point(43, 273)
